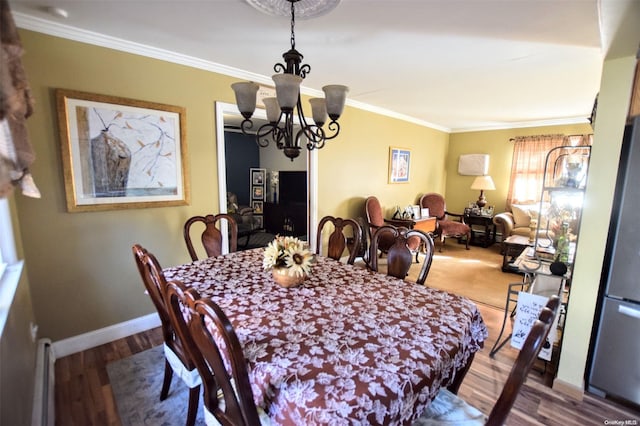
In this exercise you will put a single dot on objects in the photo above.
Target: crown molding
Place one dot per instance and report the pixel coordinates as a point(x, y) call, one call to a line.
point(524, 124)
point(56, 29)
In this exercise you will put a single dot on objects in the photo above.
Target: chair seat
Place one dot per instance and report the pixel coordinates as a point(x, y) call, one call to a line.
point(452, 227)
point(449, 409)
point(191, 378)
point(210, 419)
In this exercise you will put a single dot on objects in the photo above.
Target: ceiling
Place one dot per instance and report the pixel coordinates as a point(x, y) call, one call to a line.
point(455, 65)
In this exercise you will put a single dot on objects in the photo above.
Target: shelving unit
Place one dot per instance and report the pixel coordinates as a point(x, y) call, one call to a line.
point(565, 175)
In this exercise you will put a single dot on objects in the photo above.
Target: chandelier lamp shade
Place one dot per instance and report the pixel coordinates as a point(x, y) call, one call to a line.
point(283, 109)
point(482, 183)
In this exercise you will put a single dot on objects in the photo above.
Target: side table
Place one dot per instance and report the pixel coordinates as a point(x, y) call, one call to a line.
point(426, 224)
point(513, 246)
point(481, 238)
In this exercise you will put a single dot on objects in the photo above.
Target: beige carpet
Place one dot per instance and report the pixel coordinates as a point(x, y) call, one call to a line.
point(475, 273)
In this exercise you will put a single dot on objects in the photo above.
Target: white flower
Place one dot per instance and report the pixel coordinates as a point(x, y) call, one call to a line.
point(290, 253)
point(299, 262)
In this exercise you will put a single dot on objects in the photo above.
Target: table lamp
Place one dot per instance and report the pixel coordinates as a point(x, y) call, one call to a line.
point(482, 183)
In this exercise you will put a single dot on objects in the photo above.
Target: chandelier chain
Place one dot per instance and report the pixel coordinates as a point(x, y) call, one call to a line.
point(293, 24)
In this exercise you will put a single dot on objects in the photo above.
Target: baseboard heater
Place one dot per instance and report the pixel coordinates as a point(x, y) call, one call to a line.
point(43, 394)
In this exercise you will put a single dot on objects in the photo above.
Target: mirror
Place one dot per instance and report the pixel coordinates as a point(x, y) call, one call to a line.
point(228, 117)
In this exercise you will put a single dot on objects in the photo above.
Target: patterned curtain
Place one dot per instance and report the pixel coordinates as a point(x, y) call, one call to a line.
point(16, 105)
point(527, 167)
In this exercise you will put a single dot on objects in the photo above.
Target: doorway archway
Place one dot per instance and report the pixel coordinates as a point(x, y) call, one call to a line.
point(227, 114)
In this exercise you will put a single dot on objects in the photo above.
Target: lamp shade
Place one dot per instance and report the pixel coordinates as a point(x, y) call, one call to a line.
point(287, 90)
point(246, 93)
point(318, 110)
point(273, 109)
point(336, 96)
point(483, 183)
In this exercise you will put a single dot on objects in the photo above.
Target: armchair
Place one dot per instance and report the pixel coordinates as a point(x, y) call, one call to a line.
point(243, 215)
point(446, 227)
point(375, 220)
point(517, 221)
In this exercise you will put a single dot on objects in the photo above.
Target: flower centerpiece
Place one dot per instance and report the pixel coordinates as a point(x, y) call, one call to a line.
point(288, 259)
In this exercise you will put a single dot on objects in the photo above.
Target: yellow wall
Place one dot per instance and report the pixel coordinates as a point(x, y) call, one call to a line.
point(80, 265)
point(613, 106)
point(356, 166)
point(496, 144)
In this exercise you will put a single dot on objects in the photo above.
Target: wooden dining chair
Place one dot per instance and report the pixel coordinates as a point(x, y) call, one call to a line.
point(338, 241)
point(177, 358)
point(228, 399)
point(449, 409)
point(400, 253)
point(211, 236)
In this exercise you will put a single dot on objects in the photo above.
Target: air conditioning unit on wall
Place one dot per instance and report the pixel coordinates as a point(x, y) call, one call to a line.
point(473, 164)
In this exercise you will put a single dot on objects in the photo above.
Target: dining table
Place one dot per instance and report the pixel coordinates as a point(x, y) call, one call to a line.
point(347, 346)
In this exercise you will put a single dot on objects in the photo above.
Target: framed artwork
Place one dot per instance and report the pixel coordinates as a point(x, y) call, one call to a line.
point(120, 153)
point(399, 163)
point(259, 222)
point(258, 176)
point(257, 193)
point(258, 207)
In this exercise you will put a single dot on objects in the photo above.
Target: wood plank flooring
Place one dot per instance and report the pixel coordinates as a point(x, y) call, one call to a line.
point(83, 393)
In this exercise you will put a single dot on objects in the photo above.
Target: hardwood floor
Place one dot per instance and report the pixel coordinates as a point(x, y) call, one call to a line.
point(83, 393)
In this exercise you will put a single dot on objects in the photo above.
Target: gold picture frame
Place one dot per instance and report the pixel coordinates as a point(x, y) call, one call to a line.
point(399, 165)
point(120, 153)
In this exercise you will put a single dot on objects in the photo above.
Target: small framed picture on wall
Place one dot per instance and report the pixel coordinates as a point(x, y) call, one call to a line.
point(258, 176)
point(257, 207)
point(257, 193)
point(399, 162)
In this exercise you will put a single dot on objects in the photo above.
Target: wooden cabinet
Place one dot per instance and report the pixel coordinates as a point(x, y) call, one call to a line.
point(289, 219)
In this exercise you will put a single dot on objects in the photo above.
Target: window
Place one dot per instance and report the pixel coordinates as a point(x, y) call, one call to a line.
point(527, 167)
point(10, 268)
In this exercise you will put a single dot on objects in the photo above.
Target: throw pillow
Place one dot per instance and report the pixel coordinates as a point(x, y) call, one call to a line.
point(521, 215)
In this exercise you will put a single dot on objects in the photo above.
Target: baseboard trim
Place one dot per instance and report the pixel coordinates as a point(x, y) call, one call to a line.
point(568, 389)
point(104, 335)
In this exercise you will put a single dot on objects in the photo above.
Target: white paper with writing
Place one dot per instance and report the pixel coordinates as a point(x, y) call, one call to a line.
point(528, 310)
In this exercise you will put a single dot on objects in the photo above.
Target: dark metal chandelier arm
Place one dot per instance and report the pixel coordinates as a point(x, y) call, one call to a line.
point(315, 137)
point(292, 64)
point(246, 125)
point(267, 133)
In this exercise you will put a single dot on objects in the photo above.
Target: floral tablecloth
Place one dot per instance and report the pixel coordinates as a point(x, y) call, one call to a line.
point(348, 346)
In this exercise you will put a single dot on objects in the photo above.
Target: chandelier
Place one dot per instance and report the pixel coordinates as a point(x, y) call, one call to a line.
point(282, 110)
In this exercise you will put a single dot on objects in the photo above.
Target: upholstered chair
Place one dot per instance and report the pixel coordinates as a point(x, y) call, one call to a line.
point(448, 224)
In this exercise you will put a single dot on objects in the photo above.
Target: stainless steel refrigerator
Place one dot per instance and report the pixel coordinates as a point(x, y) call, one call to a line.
point(615, 359)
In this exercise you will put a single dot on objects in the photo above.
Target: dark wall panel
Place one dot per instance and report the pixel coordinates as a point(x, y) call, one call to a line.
point(241, 153)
